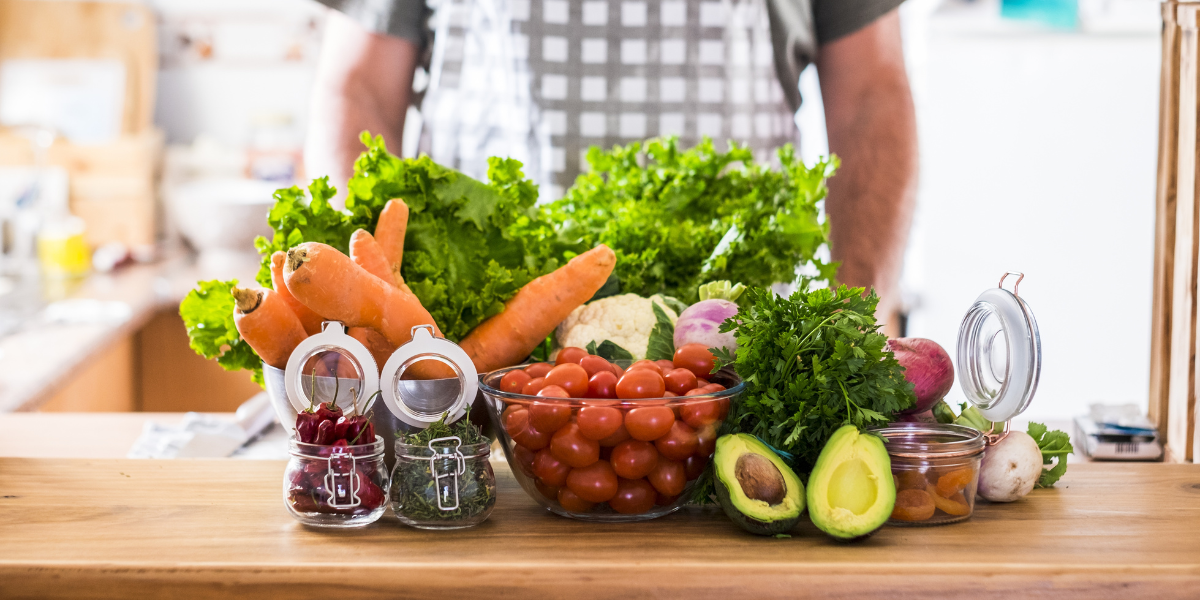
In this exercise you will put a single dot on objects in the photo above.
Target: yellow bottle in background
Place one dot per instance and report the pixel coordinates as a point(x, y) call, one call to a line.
point(62, 250)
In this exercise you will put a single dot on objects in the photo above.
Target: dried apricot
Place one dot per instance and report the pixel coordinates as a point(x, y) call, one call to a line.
point(913, 505)
point(910, 480)
point(955, 481)
point(955, 505)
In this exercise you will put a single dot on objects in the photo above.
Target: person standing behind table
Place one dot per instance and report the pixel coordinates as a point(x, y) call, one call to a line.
point(541, 80)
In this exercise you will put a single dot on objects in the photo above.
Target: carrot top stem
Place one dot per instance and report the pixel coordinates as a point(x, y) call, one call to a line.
point(246, 299)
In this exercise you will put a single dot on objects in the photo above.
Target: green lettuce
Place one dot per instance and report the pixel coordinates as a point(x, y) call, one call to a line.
point(678, 218)
point(207, 313)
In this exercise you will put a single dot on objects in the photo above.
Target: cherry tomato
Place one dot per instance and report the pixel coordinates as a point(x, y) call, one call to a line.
point(644, 364)
point(633, 459)
point(514, 418)
point(634, 496)
point(534, 386)
point(695, 358)
point(531, 438)
point(695, 392)
point(668, 477)
point(680, 381)
point(618, 370)
point(701, 382)
point(694, 466)
point(699, 413)
point(602, 385)
point(665, 366)
point(547, 491)
point(662, 500)
point(621, 435)
point(679, 443)
point(569, 446)
point(599, 422)
point(523, 433)
point(670, 394)
point(569, 501)
point(550, 416)
point(712, 388)
point(706, 440)
point(649, 422)
point(524, 458)
point(538, 369)
point(570, 355)
point(596, 482)
point(641, 383)
point(549, 469)
point(570, 377)
point(513, 381)
point(595, 364)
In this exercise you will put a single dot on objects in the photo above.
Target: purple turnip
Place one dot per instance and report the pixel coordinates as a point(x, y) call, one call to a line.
point(926, 366)
point(700, 323)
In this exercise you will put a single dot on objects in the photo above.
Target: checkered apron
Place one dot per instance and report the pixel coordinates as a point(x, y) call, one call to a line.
point(543, 80)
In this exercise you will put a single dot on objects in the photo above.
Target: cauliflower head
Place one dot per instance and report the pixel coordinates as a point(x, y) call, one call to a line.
point(626, 320)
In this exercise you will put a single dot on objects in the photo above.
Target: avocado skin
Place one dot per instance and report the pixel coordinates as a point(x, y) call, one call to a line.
point(722, 459)
point(848, 439)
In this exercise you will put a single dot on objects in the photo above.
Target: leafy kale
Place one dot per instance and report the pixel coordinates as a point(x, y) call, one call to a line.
point(608, 350)
point(812, 363)
point(662, 338)
point(1053, 444)
point(207, 312)
point(678, 218)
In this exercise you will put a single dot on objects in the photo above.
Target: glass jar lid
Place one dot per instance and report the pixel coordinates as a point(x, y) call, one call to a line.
point(928, 440)
point(331, 365)
point(999, 353)
point(422, 401)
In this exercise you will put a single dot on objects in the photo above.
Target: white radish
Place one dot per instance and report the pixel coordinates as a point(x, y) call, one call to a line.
point(1010, 468)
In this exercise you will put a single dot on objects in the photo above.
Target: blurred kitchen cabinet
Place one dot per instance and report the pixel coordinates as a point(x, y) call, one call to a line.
point(113, 185)
point(173, 378)
point(103, 384)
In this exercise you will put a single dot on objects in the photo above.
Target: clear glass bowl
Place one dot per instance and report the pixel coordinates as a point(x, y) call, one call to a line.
point(680, 456)
point(936, 471)
point(443, 485)
point(335, 486)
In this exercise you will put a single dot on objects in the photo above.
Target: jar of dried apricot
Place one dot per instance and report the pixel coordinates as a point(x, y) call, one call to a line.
point(936, 470)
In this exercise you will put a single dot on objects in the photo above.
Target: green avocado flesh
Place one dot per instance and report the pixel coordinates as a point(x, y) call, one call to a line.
point(756, 488)
point(850, 490)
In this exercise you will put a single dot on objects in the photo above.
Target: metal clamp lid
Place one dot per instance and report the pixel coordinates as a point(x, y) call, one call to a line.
point(351, 352)
point(999, 353)
point(422, 402)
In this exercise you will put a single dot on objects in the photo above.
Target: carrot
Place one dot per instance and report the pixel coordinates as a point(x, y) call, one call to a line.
point(366, 253)
point(309, 319)
point(529, 316)
point(328, 282)
point(267, 323)
point(390, 230)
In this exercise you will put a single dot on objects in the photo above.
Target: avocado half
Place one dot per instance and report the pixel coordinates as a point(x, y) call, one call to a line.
point(756, 488)
point(850, 490)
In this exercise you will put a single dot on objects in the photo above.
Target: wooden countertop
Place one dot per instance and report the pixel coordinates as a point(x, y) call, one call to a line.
point(207, 528)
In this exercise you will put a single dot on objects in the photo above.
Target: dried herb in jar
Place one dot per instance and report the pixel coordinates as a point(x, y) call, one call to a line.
point(414, 491)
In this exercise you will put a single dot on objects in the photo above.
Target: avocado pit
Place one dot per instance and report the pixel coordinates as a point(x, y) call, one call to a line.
point(760, 479)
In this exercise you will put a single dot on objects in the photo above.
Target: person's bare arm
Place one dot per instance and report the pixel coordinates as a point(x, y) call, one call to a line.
point(363, 82)
point(872, 126)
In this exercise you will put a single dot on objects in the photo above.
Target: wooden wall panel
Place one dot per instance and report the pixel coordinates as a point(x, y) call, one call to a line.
point(1164, 225)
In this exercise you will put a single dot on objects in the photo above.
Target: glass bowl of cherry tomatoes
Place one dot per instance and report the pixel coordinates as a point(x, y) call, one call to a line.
point(610, 441)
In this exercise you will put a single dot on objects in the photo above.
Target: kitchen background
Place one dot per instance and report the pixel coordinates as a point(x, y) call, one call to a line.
point(1038, 124)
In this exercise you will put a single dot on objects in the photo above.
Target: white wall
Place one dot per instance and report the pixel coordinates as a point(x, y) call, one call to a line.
point(1038, 155)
